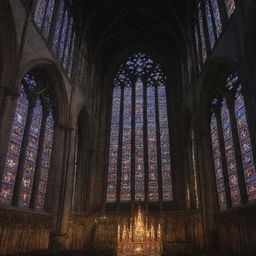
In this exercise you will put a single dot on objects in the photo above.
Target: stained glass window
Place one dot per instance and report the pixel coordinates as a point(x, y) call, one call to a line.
point(40, 12)
point(32, 162)
point(218, 163)
point(245, 145)
point(230, 154)
point(58, 25)
point(126, 146)
point(202, 37)
point(139, 150)
point(230, 6)
point(165, 147)
point(113, 149)
point(217, 19)
point(209, 23)
point(45, 159)
point(12, 159)
point(31, 154)
point(48, 18)
point(68, 44)
point(142, 86)
point(152, 146)
point(63, 35)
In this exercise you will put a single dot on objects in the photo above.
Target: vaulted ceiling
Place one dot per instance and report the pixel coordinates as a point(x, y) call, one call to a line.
point(112, 26)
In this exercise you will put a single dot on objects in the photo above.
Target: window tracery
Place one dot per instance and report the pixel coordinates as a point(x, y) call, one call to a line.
point(226, 109)
point(139, 137)
point(32, 133)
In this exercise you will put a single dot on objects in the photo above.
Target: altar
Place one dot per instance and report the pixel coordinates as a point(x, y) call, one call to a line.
point(139, 238)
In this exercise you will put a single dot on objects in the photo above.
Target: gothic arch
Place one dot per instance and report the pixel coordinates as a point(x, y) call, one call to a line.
point(50, 70)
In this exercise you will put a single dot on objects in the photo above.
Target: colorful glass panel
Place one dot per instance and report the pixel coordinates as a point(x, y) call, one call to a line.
point(56, 35)
point(31, 155)
point(63, 35)
point(230, 6)
point(165, 147)
point(201, 29)
point(126, 146)
point(152, 146)
point(40, 12)
point(139, 149)
point(209, 23)
point(45, 160)
point(218, 163)
point(68, 44)
point(217, 19)
point(71, 56)
point(113, 149)
point(48, 18)
point(245, 146)
point(230, 155)
point(12, 159)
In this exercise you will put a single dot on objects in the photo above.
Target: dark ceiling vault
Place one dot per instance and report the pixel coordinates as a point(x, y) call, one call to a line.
point(112, 26)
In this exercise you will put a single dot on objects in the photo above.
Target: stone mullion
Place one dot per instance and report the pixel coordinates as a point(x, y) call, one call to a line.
point(40, 150)
point(133, 145)
point(23, 152)
point(145, 141)
point(159, 162)
point(223, 14)
point(54, 22)
point(223, 159)
point(238, 154)
point(120, 144)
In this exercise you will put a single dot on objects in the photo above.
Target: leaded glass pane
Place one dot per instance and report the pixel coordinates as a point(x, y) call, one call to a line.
point(209, 23)
point(217, 19)
point(245, 146)
point(48, 18)
point(230, 155)
point(56, 35)
point(218, 163)
point(40, 12)
point(68, 44)
point(126, 146)
point(152, 146)
point(164, 144)
point(71, 56)
point(139, 149)
point(113, 149)
point(230, 6)
point(31, 155)
point(45, 160)
point(63, 35)
point(201, 29)
point(12, 158)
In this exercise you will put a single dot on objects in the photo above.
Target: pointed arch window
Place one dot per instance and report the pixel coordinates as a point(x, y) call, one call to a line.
point(229, 125)
point(208, 26)
point(56, 17)
point(139, 164)
point(27, 163)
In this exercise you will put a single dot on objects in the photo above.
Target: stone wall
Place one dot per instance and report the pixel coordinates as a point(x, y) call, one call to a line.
point(22, 231)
